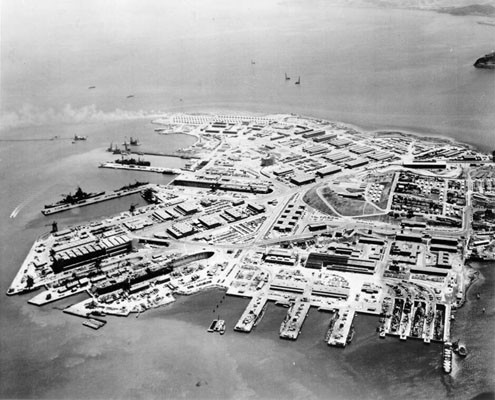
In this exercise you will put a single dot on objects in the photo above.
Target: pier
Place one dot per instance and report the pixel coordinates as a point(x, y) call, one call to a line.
point(98, 199)
point(252, 314)
point(342, 327)
point(292, 324)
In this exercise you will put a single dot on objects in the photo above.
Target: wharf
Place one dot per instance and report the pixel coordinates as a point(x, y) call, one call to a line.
point(98, 199)
point(252, 314)
point(292, 324)
point(51, 295)
point(341, 328)
point(164, 154)
point(142, 168)
point(81, 309)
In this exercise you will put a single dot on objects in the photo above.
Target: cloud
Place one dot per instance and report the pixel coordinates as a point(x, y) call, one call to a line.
point(30, 115)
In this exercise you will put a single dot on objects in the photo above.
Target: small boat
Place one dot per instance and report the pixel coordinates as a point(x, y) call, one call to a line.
point(78, 137)
point(92, 87)
point(478, 295)
point(462, 350)
point(220, 326)
point(287, 78)
point(134, 141)
point(130, 96)
point(253, 62)
point(298, 82)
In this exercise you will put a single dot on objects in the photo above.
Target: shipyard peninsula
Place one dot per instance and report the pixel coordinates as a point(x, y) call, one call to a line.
point(303, 213)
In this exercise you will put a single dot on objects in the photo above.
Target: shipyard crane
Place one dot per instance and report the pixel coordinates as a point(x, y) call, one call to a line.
point(132, 208)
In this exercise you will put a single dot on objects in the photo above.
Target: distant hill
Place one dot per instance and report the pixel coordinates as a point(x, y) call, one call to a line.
point(485, 10)
point(453, 7)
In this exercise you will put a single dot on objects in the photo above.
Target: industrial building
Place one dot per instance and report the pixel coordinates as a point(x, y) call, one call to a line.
point(76, 253)
point(339, 262)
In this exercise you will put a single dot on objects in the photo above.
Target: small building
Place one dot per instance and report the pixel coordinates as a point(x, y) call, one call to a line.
point(317, 226)
point(302, 179)
point(358, 162)
point(180, 230)
point(339, 143)
point(187, 208)
point(313, 134)
point(209, 221)
point(443, 260)
point(331, 169)
point(425, 165)
point(162, 215)
point(283, 171)
point(257, 208)
point(324, 138)
point(409, 237)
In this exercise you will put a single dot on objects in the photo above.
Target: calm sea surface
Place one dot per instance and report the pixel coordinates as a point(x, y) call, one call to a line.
point(375, 68)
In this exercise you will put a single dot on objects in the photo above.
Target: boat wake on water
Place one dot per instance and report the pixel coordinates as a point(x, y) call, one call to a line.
point(21, 205)
point(16, 210)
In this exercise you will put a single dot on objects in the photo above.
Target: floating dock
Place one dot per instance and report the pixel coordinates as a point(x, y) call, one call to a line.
point(292, 324)
point(94, 323)
point(98, 199)
point(252, 314)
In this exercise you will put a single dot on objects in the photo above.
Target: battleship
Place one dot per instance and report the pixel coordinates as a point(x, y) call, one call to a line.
point(69, 199)
point(132, 185)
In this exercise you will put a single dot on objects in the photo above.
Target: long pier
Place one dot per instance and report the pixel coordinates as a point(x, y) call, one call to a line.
point(142, 168)
point(98, 199)
point(165, 154)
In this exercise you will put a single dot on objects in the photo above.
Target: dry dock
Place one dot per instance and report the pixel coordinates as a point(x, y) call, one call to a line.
point(252, 314)
point(93, 200)
point(292, 324)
